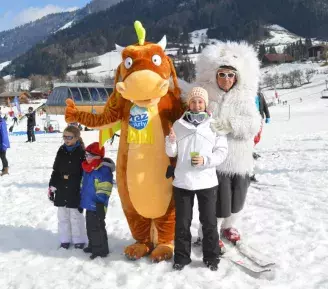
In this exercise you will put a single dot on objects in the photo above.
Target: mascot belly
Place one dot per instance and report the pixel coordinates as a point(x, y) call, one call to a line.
point(146, 168)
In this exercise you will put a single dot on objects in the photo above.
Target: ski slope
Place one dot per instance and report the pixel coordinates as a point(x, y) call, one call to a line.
point(285, 217)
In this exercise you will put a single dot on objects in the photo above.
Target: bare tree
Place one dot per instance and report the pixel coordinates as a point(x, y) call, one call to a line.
point(298, 76)
point(283, 79)
point(275, 79)
point(37, 81)
point(268, 81)
point(294, 77)
point(291, 79)
point(309, 73)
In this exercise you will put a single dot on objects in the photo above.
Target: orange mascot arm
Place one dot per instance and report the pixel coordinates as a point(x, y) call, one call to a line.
point(112, 111)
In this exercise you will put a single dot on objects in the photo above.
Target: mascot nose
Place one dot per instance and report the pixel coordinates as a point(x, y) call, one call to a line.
point(120, 86)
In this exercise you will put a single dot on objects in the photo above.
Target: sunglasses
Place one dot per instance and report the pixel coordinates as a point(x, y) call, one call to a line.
point(68, 137)
point(89, 155)
point(226, 74)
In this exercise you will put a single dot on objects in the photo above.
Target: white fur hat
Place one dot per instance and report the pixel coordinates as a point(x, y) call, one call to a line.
point(198, 92)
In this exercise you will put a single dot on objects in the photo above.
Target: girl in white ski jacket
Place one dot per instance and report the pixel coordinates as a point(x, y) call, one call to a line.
point(196, 175)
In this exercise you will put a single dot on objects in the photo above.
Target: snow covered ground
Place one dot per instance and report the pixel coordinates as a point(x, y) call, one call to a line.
point(287, 219)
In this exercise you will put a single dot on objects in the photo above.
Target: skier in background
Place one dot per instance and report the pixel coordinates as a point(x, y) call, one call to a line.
point(30, 125)
point(4, 145)
point(262, 107)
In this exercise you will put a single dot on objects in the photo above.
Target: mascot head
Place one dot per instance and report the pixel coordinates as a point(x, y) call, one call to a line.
point(143, 76)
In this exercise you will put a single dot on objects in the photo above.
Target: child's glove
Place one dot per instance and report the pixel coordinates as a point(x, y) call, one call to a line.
point(51, 193)
point(267, 120)
point(100, 211)
point(170, 171)
point(172, 136)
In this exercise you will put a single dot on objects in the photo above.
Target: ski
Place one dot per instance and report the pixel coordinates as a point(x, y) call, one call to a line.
point(232, 254)
point(253, 268)
point(254, 255)
point(264, 185)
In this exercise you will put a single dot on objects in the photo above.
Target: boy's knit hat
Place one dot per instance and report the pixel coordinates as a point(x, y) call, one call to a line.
point(198, 92)
point(95, 149)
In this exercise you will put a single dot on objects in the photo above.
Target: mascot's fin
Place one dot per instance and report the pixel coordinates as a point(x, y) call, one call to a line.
point(141, 32)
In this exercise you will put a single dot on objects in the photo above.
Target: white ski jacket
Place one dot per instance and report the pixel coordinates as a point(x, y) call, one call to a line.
point(200, 139)
point(235, 108)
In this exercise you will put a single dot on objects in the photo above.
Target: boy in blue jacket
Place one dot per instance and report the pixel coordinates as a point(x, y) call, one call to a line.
point(96, 188)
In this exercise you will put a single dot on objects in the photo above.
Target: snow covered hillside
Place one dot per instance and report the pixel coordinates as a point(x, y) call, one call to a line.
point(109, 61)
point(4, 64)
point(285, 216)
point(280, 37)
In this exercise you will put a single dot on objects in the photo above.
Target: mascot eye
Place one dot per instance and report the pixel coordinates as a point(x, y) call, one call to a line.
point(157, 60)
point(128, 62)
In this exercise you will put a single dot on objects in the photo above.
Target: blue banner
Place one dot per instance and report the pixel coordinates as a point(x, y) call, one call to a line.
point(16, 101)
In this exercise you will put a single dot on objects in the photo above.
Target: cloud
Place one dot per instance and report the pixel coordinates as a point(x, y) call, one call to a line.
point(34, 13)
point(10, 20)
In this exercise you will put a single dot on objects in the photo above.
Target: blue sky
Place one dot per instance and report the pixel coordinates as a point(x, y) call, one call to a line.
point(17, 12)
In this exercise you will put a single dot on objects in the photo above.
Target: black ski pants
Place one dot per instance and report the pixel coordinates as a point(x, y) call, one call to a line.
point(97, 234)
point(30, 134)
point(232, 193)
point(3, 159)
point(184, 202)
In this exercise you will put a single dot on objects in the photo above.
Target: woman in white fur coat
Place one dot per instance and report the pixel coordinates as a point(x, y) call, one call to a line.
point(230, 72)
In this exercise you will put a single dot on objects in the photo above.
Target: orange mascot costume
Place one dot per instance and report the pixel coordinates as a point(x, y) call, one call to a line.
point(146, 107)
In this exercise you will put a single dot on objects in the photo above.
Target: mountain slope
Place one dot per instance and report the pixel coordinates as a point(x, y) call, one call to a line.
point(226, 19)
point(15, 42)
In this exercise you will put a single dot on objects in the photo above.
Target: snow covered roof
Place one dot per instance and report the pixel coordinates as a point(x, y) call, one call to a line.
point(13, 93)
point(278, 57)
point(79, 84)
point(84, 95)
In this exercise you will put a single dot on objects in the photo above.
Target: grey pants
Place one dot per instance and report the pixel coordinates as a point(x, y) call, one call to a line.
point(231, 195)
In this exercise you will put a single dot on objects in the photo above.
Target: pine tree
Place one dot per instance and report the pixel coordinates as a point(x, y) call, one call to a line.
point(272, 50)
point(262, 51)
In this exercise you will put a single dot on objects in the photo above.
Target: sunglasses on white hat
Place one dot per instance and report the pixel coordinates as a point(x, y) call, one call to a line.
point(226, 74)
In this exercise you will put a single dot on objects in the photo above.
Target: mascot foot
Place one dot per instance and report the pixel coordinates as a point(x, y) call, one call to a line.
point(162, 252)
point(136, 251)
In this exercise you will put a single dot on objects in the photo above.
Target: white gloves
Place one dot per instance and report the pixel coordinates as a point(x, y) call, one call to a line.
point(52, 189)
point(221, 127)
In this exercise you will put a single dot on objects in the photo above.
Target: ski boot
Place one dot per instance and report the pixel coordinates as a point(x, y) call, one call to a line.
point(178, 267)
point(213, 266)
point(231, 234)
point(256, 156)
point(87, 250)
point(79, 245)
point(65, 245)
point(253, 179)
point(198, 242)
